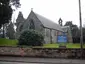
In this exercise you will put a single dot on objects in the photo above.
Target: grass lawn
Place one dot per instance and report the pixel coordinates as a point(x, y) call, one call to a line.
point(8, 42)
point(51, 45)
point(68, 45)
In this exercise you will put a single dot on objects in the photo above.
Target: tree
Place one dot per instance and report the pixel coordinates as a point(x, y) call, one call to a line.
point(83, 34)
point(19, 24)
point(31, 38)
point(10, 31)
point(6, 11)
point(75, 31)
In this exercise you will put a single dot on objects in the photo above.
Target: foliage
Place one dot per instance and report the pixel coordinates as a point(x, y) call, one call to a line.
point(5, 14)
point(10, 31)
point(19, 24)
point(19, 20)
point(8, 42)
point(6, 10)
point(15, 3)
point(31, 38)
point(75, 31)
point(83, 34)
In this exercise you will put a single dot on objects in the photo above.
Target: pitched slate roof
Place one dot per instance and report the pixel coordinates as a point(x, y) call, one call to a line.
point(48, 23)
point(65, 28)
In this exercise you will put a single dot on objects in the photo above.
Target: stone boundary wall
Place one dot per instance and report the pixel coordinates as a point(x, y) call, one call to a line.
point(41, 52)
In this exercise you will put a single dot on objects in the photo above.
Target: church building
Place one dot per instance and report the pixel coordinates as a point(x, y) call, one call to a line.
point(48, 28)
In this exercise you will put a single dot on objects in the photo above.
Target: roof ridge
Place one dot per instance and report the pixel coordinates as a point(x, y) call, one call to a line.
point(44, 17)
point(47, 23)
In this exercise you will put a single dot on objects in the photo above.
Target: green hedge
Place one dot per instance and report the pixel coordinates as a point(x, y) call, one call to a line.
point(8, 42)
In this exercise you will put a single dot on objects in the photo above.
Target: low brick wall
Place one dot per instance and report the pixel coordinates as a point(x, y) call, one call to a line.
point(41, 52)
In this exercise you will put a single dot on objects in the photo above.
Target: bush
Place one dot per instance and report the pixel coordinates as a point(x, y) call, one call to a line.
point(31, 38)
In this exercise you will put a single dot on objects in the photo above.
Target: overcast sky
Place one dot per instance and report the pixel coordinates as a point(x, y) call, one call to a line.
point(68, 10)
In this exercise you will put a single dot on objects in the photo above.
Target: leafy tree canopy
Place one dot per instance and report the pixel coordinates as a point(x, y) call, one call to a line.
point(10, 31)
point(6, 10)
point(74, 30)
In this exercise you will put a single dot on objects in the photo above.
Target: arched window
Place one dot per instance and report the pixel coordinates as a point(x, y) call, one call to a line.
point(20, 28)
point(32, 26)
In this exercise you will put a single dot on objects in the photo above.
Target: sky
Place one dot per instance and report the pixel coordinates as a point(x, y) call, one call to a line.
point(67, 10)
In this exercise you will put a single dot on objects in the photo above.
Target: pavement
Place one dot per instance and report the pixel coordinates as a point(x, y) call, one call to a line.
point(17, 63)
point(27, 60)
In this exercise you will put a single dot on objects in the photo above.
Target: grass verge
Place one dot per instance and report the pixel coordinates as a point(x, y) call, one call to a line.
point(8, 42)
point(68, 45)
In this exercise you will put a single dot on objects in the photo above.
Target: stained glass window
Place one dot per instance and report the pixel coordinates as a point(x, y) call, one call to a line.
point(32, 26)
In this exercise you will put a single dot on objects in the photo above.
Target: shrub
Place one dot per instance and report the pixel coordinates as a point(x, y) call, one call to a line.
point(31, 38)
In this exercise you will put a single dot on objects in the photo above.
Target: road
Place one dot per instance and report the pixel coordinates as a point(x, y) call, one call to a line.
point(17, 63)
point(27, 60)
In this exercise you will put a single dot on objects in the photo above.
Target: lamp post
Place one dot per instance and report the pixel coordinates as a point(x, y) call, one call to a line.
point(81, 36)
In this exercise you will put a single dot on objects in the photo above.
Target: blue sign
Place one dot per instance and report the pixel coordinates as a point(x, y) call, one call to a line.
point(62, 38)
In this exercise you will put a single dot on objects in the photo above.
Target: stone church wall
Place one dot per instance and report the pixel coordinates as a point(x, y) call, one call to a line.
point(47, 36)
point(37, 23)
point(54, 36)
